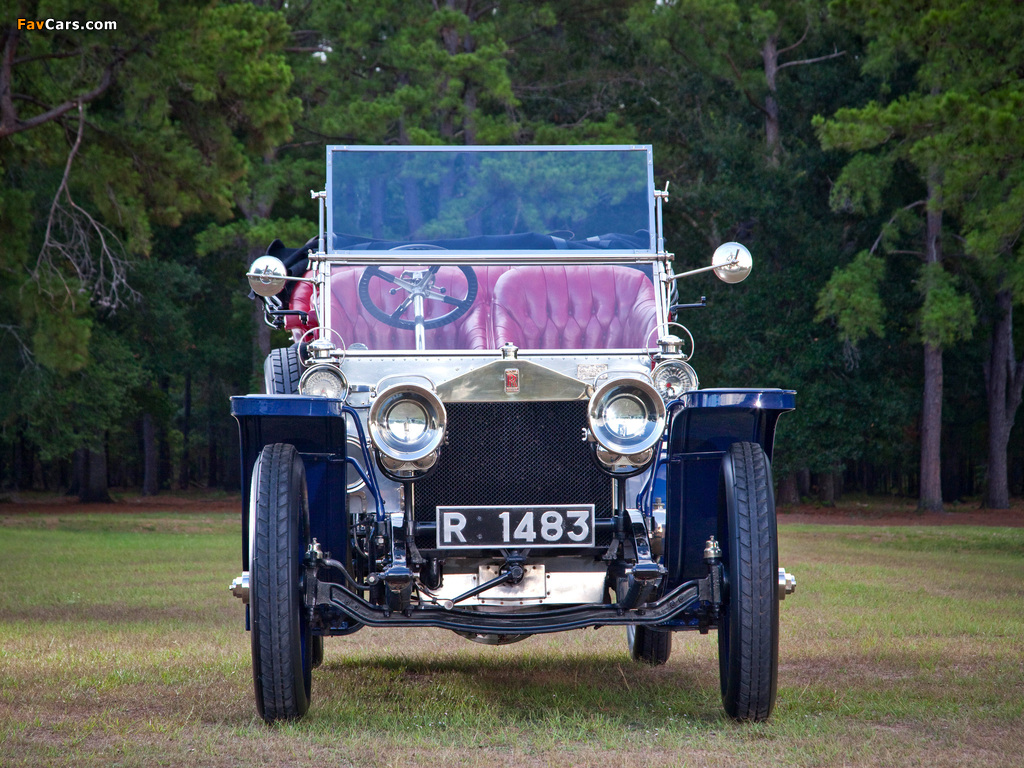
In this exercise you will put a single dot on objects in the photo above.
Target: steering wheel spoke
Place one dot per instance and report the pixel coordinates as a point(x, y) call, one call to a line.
point(401, 309)
point(461, 303)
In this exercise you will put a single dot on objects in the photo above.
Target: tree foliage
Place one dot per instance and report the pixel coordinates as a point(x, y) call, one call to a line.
point(958, 127)
point(144, 167)
point(105, 135)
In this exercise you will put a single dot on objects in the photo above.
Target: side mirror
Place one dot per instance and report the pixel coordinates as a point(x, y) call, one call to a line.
point(732, 262)
point(267, 276)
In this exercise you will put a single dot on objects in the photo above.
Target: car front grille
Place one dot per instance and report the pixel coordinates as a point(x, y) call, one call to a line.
point(500, 454)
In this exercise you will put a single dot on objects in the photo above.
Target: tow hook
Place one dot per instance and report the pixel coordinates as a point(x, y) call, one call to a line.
point(787, 583)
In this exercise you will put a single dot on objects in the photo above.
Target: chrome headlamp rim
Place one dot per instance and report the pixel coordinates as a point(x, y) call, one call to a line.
point(662, 369)
point(635, 391)
point(392, 445)
point(317, 372)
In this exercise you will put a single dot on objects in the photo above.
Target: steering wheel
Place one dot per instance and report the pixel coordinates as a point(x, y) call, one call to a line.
point(417, 285)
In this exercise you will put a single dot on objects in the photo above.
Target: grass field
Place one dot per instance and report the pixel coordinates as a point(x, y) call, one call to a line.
point(121, 645)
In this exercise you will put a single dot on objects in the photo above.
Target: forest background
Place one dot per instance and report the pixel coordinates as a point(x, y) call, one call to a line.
point(869, 152)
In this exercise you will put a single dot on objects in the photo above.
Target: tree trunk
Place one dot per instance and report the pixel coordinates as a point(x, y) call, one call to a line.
point(93, 488)
point(186, 428)
point(826, 489)
point(150, 457)
point(18, 462)
point(78, 467)
point(931, 412)
point(211, 436)
point(165, 470)
point(930, 498)
point(803, 482)
point(1004, 380)
point(789, 494)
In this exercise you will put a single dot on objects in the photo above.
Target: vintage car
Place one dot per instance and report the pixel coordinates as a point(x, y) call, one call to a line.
point(488, 423)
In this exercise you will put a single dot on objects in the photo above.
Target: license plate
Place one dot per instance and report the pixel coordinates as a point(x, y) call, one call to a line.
point(516, 527)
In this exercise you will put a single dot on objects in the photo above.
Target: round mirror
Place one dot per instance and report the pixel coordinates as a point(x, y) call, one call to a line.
point(266, 276)
point(732, 262)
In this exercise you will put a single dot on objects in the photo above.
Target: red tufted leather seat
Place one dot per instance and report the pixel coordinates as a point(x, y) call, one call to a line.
point(301, 299)
point(546, 307)
point(574, 307)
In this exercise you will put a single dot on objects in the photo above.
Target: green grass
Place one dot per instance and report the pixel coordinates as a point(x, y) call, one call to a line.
point(121, 645)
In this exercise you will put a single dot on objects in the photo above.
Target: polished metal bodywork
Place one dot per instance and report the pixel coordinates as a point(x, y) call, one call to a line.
point(534, 382)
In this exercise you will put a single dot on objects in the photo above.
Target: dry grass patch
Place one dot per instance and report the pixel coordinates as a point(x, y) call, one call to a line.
point(120, 645)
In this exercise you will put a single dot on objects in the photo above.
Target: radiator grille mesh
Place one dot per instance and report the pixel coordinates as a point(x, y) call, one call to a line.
point(513, 453)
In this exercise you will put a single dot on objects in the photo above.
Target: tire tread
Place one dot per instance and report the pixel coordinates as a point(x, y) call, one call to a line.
point(274, 599)
point(748, 690)
point(650, 646)
point(282, 371)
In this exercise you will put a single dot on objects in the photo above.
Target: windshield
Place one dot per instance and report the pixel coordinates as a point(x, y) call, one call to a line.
point(548, 306)
point(490, 198)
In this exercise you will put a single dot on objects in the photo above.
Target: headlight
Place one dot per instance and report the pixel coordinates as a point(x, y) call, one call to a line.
point(672, 378)
point(627, 416)
point(406, 421)
point(407, 424)
point(324, 381)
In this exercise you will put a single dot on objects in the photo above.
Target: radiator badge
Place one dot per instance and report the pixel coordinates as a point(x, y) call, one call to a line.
point(511, 381)
point(588, 371)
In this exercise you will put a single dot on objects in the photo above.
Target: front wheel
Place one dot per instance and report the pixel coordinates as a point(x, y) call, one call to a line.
point(748, 632)
point(648, 645)
point(282, 645)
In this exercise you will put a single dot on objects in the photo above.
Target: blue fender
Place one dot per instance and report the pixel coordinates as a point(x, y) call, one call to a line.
point(316, 426)
point(701, 428)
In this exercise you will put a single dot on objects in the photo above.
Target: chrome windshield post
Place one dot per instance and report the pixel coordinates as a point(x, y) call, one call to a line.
point(321, 266)
point(322, 197)
point(660, 195)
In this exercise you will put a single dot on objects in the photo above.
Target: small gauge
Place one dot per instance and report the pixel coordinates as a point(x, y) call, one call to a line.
point(672, 378)
point(324, 381)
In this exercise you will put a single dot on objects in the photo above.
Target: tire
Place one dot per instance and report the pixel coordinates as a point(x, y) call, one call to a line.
point(646, 645)
point(282, 371)
point(318, 651)
point(748, 631)
point(282, 645)
point(649, 646)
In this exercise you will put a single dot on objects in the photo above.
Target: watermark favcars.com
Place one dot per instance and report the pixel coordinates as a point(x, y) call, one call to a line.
point(58, 25)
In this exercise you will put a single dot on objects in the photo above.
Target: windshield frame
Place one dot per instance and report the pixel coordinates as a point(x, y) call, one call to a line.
point(471, 255)
point(325, 259)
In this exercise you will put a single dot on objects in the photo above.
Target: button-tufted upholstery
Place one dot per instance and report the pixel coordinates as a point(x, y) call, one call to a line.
point(574, 307)
point(301, 299)
point(547, 307)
